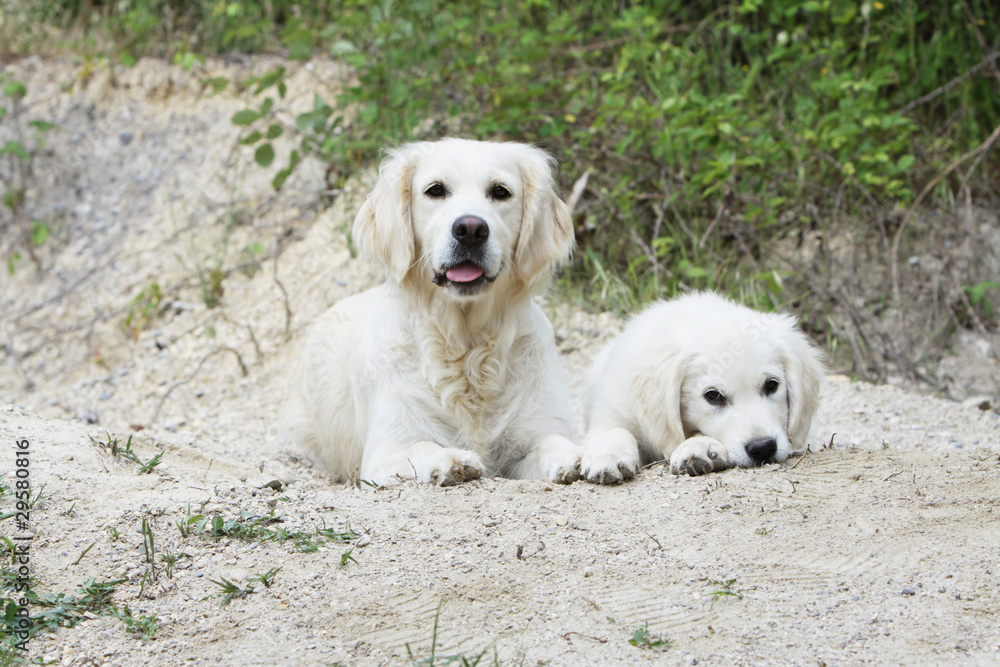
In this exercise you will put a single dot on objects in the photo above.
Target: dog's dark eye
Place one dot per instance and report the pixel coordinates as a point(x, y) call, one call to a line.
point(715, 397)
point(499, 192)
point(770, 386)
point(436, 191)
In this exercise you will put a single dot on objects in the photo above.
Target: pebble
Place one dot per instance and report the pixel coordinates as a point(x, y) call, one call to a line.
point(909, 591)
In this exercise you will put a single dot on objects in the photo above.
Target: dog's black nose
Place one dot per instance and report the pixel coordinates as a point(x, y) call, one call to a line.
point(470, 230)
point(761, 450)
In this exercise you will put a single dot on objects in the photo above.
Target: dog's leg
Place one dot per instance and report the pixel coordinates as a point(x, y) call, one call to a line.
point(610, 457)
point(424, 461)
point(555, 459)
point(699, 455)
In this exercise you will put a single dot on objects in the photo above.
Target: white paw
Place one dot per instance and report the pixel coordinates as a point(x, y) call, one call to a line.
point(449, 467)
point(610, 457)
point(426, 462)
point(699, 455)
point(562, 467)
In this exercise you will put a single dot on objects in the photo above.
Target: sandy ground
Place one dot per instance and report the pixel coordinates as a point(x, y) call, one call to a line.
point(880, 546)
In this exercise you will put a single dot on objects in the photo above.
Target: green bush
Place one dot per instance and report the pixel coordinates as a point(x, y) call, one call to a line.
point(710, 129)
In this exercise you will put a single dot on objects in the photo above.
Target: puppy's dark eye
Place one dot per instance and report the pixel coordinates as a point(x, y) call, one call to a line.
point(770, 386)
point(436, 191)
point(715, 397)
point(499, 192)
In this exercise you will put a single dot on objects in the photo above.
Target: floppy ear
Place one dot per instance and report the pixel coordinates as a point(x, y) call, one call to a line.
point(546, 235)
point(382, 228)
point(804, 372)
point(657, 391)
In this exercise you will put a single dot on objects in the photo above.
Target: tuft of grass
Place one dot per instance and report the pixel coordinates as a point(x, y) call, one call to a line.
point(61, 610)
point(114, 446)
point(143, 628)
point(259, 528)
point(446, 660)
point(346, 558)
point(230, 591)
point(643, 638)
point(724, 588)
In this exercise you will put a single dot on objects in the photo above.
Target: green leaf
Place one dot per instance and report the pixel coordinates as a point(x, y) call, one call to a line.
point(905, 162)
point(41, 125)
point(16, 149)
point(245, 117)
point(274, 131)
point(15, 89)
point(282, 176)
point(264, 155)
point(217, 84)
point(39, 232)
point(252, 138)
point(269, 79)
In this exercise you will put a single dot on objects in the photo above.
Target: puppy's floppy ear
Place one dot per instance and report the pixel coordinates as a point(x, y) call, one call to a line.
point(383, 229)
point(657, 392)
point(546, 235)
point(804, 372)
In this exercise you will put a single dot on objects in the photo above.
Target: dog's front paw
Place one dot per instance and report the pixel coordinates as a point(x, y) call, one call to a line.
point(611, 457)
point(699, 455)
point(564, 467)
point(444, 466)
point(456, 466)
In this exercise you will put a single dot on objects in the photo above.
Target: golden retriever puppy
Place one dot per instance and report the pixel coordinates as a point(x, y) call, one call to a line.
point(449, 370)
point(704, 382)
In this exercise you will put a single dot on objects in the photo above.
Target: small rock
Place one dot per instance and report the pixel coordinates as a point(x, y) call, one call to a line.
point(561, 520)
point(909, 591)
point(490, 522)
point(268, 482)
point(983, 403)
point(238, 574)
point(364, 541)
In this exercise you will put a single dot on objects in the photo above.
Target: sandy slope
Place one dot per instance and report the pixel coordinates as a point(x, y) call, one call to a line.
point(882, 548)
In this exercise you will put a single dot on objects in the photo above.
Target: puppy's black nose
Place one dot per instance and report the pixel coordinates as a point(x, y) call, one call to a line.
point(761, 450)
point(470, 230)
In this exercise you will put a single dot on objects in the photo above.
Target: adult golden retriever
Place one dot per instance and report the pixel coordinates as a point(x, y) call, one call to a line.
point(449, 370)
point(705, 382)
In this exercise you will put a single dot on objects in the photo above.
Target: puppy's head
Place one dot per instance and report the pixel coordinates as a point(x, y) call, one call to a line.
point(462, 214)
point(749, 380)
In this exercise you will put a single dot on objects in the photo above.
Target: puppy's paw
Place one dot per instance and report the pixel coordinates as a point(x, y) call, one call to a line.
point(563, 467)
point(610, 458)
point(699, 455)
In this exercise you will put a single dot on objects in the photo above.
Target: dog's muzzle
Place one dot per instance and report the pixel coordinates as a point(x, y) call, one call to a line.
point(466, 270)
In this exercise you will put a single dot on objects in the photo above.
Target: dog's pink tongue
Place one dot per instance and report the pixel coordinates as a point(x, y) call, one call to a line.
point(465, 272)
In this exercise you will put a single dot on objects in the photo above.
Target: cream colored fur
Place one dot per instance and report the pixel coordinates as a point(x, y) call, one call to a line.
point(439, 382)
point(646, 393)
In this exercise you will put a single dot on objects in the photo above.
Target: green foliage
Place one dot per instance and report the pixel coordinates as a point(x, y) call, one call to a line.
point(707, 127)
point(229, 590)
point(145, 308)
point(16, 157)
point(113, 445)
point(979, 303)
point(254, 527)
point(711, 130)
point(643, 638)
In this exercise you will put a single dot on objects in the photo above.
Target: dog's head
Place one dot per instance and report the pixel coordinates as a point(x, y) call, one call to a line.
point(748, 379)
point(463, 214)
